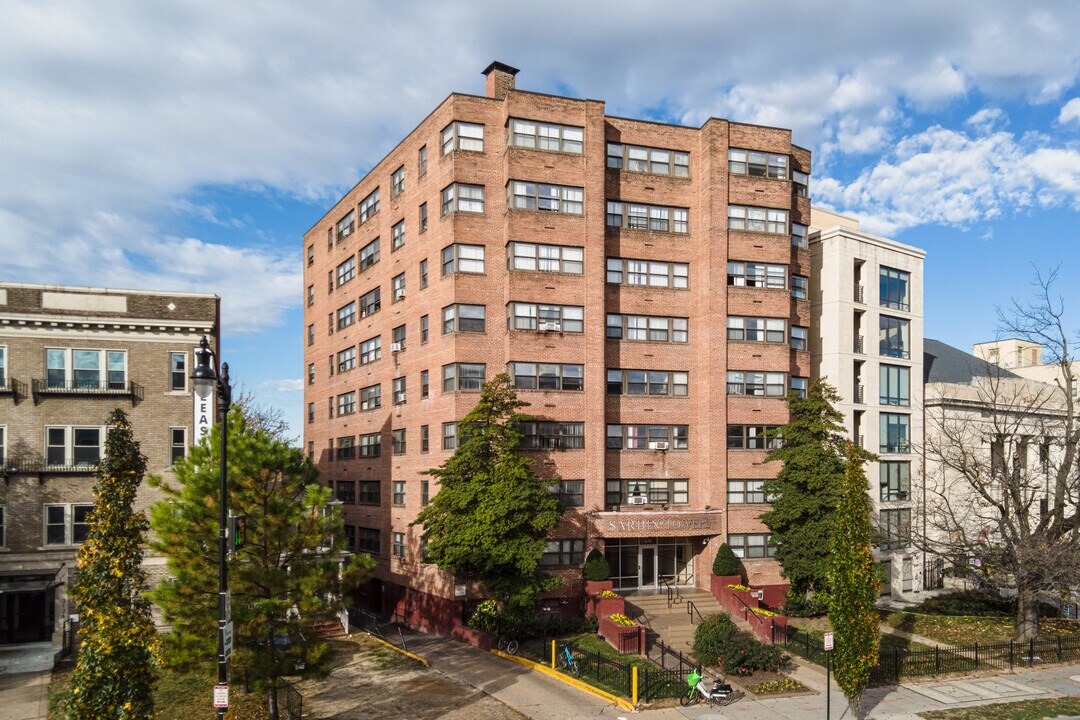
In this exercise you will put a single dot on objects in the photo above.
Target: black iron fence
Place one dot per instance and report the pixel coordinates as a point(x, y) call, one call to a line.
point(291, 702)
point(665, 681)
point(895, 665)
point(899, 664)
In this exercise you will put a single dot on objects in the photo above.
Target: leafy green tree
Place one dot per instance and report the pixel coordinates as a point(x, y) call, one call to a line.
point(492, 514)
point(854, 585)
point(806, 491)
point(288, 576)
point(117, 667)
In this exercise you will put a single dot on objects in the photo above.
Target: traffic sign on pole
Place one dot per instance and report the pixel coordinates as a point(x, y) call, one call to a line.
point(828, 641)
point(228, 642)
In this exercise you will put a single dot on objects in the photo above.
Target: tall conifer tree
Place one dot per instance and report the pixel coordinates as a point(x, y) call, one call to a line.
point(853, 585)
point(806, 491)
point(492, 514)
point(116, 670)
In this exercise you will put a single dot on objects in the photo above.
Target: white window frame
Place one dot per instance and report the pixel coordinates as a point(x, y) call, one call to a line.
point(371, 350)
point(346, 270)
point(103, 383)
point(536, 135)
point(462, 258)
point(529, 317)
point(173, 446)
point(369, 206)
point(648, 160)
point(757, 163)
point(648, 273)
point(397, 235)
point(69, 523)
point(545, 197)
point(369, 254)
point(461, 197)
point(642, 216)
point(460, 135)
point(69, 443)
point(750, 218)
point(397, 181)
point(539, 257)
point(172, 370)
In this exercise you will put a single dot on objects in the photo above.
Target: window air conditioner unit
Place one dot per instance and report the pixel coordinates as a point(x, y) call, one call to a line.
point(658, 446)
point(346, 232)
point(637, 500)
point(550, 327)
point(399, 294)
point(395, 347)
point(760, 594)
point(363, 313)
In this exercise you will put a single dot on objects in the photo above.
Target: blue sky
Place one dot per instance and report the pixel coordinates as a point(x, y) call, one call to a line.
point(189, 145)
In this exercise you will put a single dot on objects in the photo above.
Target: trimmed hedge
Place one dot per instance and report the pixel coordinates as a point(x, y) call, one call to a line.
point(596, 567)
point(725, 562)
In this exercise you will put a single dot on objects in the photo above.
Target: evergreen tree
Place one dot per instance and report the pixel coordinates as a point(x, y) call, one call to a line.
point(854, 585)
point(806, 491)
point(284, 580)
point(492, 514)
point(116, 671)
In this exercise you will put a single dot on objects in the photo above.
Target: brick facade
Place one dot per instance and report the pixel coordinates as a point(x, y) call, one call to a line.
point(706, 191)
point(146, 327)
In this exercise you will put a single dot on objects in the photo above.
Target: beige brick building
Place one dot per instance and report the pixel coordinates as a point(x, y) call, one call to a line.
point(646, 286)
point(68, 357)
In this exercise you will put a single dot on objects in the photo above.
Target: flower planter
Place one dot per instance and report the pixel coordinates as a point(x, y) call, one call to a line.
point(624, 638)
point(594, 586)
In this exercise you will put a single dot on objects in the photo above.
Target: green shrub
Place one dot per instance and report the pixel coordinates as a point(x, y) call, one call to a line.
point(725, 562)
point(711, 634)
point(980, 603)
point(596, 566)
point(797, 605)
point(485, 617)
point(743, 656)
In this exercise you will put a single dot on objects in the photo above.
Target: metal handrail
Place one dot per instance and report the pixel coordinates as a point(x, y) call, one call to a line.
point(691, 609)
point(750, 610)
point(673, 593)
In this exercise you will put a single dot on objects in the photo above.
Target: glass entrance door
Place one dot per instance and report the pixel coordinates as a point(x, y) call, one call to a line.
point(647, 568)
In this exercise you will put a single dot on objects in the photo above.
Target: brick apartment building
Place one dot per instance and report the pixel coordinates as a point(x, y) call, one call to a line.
point(646, 286)
point(68, 357)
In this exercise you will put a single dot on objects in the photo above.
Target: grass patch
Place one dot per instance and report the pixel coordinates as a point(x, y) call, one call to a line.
point(967, 630)
point(1023, 710)
point(386, 659)
point(817, 627)
point(179, 696)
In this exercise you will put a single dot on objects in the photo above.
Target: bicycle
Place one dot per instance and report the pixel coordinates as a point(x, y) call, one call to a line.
point(567, 662)
point(721, 693)
point(508, 645)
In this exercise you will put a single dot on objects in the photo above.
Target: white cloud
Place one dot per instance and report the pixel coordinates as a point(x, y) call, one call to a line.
point(287, 385)
point(949, 177)
point(986, 119)
point(1070, 111)
point(113, 114)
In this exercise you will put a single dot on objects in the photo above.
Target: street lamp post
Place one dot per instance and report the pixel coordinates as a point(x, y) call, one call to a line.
point(206, 380)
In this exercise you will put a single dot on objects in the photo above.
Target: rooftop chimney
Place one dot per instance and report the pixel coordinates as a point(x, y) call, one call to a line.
point(500, 79)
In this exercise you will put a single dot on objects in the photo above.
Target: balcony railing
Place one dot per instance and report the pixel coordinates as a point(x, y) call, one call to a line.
point(860, 394)
point(897, 447)
point(38, 466)
point(859, 294)
point(895, 352)
point(858, 349)
point(128, 388)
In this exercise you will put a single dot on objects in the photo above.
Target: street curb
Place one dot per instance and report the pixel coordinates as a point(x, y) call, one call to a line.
point(417, 658)
point(624, 704)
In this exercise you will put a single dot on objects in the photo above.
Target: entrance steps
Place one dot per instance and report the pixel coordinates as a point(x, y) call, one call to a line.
point(28, 657)
point(674, 625)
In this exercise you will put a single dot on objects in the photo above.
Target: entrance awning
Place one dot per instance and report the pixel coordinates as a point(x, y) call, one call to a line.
point(27, 586)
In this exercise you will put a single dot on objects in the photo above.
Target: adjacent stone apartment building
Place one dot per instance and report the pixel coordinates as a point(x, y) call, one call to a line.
point(645, 285)
point(68, 357)
point(867, 341)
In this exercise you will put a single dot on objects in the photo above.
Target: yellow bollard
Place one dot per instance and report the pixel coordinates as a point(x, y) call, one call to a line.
point(633, 679)
point(552, 654)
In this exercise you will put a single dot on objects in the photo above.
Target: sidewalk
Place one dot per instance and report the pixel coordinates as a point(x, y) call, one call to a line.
point(543, 698)
point(24, 696)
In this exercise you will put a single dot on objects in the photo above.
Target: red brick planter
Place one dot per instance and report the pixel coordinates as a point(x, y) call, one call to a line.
point(624, 638)
point(594, 586)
